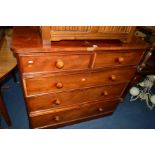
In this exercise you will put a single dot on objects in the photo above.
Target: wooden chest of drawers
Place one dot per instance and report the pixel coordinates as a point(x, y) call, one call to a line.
point(72, 81)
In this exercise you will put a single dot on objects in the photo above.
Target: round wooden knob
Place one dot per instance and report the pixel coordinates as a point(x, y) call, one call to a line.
point(59, 64)
point(100, 109)
point(83, 79)
point(30, 63)
point(59, 85)
point(120, 59)
point(56, 118)
point(57, 102)
point(113, 77)
point(105, 93)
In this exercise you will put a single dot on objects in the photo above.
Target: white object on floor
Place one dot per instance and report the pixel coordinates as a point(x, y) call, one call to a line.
point(152, 99)
point(134, 91)
point(144, 92)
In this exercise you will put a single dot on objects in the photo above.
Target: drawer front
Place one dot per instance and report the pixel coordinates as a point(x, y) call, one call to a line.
point(51, 62)
point(57, 100)
point(53, 83)
point(108, 59)
point(71, 113)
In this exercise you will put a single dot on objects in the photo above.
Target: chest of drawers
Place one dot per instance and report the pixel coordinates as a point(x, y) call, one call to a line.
point(72, 81)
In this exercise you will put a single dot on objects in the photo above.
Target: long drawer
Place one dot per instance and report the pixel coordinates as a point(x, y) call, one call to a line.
point(73, 113)
point(62, 99)
point(57, 82)
point(117, 58)
point(51, 62)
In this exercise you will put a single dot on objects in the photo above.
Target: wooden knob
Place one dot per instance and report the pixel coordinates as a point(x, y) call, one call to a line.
point(83, 79)
point(113, 77)
point(105, 93)
point(57, 102)
point(30, 63)
point(56, 118)
point(100, 109)
point(59, 64)
point(120, 59)
point(59, 85)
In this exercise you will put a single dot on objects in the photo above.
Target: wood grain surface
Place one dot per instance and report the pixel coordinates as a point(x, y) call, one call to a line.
point(70, 81)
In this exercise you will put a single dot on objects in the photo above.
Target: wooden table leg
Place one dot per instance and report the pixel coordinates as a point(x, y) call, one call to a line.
point(4, 112)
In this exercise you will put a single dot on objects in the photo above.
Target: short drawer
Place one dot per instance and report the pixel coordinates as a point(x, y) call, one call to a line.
point(57, 83)
point(108, 59)
point(58, 100)
point(51, 62)
point(73, 113)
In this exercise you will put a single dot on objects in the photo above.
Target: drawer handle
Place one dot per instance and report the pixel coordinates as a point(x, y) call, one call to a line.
point(59, 64)
point(113, 77)
point(105, 93)
point(120, 60)
point(56, 118)
point(30, 62)
point(57, 102)
point(59, 85)
point(100, 109)
point(83, 79)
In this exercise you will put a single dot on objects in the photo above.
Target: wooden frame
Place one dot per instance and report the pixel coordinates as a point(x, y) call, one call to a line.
point(57, 33)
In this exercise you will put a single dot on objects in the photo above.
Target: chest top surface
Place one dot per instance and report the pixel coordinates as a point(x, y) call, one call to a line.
point(28, 40)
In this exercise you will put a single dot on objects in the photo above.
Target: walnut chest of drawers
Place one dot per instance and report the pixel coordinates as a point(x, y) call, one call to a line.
point(72, 81)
